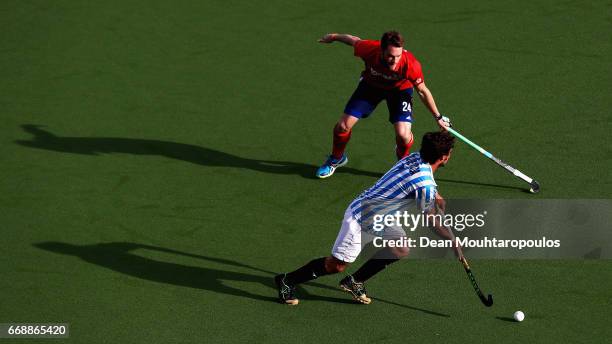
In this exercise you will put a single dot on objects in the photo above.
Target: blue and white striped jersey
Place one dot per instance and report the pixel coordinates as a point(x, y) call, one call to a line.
point(410, 179)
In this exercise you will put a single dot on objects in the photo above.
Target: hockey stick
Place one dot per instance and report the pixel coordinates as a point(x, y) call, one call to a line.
point(487, 301)
point(535, 187)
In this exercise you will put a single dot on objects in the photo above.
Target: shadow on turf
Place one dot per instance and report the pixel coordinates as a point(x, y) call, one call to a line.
point(44, 139)
point(119, 257)
point(443, 180)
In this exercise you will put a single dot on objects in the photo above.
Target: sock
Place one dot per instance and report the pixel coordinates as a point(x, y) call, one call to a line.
point(315, 268)
point(403, 149)
point(340, 141)
point(371, 268)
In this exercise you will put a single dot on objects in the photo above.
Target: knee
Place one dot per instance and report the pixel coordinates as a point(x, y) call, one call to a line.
point(404, 136)
point(333, 265)
point(400, 252)
point(341, 127)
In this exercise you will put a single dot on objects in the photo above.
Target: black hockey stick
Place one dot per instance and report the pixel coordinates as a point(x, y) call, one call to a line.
point(487, 301)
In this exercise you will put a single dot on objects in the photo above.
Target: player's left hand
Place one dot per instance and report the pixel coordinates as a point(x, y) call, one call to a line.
point(444, 122)
point(327, 38)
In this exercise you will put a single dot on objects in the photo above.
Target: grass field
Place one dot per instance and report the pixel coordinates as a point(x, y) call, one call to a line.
point(158, 159)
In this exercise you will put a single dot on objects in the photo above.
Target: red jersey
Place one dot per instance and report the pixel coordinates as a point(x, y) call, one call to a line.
point(407, 75)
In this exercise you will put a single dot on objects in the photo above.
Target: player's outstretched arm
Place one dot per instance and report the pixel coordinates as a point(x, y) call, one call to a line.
point(428, 100)
point(340, 37)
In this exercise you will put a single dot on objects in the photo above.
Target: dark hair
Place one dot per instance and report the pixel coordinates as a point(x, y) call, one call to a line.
point(392, 38)
point(435, 145)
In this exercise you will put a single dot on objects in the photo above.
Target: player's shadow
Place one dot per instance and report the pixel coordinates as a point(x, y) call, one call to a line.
point(43, 139)
point(120, 257)
point(488, 185)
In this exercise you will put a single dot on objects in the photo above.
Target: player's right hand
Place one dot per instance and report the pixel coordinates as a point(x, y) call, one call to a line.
point(440, 204)
point(458, 251)
point(327, 38)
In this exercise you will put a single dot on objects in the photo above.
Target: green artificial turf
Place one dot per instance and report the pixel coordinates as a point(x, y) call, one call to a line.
point(157, 163)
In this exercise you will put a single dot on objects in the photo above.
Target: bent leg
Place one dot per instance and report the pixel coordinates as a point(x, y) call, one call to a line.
point(403, 139)
point(346, 249)
point(379, 262)
point(334, 265)
point(363, 101)
point(371, 268)
point(342, 134)
point(400, 115)
point(315, 269)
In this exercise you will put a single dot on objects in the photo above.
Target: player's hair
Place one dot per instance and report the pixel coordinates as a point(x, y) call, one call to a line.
point(392, 38)
point(435, 145)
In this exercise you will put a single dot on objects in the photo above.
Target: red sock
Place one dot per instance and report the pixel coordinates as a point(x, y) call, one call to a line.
point(340, 141)
point(403, 149)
